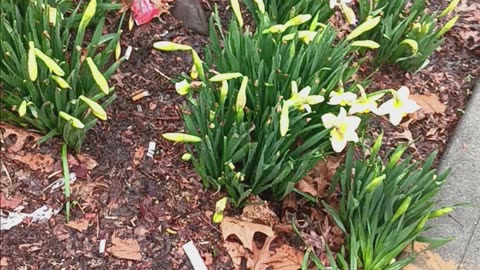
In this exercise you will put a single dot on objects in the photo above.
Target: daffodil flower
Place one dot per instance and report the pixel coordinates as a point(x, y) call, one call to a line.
point(182, 87)
point(97, 110)
point(342, 98)
point(306, 36)
point(343, 129)
point(365, 103)
point(73, 120)
point(302, 100)
point(399, 106)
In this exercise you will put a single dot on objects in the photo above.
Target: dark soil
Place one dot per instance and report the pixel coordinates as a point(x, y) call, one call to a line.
point(160, 201)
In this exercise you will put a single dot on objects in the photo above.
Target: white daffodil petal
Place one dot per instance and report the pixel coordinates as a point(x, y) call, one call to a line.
point(328, 120)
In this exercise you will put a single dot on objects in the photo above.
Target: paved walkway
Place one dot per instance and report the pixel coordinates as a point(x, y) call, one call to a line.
point(463, 185)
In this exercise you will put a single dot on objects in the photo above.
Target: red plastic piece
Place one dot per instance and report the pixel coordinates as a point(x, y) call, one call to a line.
point(144, 11)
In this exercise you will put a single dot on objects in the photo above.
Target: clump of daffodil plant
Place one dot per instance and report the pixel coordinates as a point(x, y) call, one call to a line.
point(266, 115)
point(408, 34)
point(385, 206)
point(52, 82)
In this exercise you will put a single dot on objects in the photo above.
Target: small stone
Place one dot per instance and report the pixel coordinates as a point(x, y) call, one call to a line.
point(191, 14)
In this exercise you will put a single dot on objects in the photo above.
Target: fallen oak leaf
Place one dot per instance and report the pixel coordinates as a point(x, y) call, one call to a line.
point(306, 187)
point(236, 252)
point(11, 203)
point(80, 225)
point(125, 249)
point(245, 231)
point(21, 137)
point(429, 103)
point(286, 258)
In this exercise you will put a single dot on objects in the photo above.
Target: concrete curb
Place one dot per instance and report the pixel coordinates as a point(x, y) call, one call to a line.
point(462, 155)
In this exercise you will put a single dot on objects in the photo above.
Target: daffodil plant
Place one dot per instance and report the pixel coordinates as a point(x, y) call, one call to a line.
point(407, 34)
point(52, 82)
point(385, 206)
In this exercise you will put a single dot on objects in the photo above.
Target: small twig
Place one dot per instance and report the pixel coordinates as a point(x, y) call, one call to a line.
point(162, 74)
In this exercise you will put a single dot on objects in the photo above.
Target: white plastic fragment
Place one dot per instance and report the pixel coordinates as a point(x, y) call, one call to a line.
point(194, 256)
point(42, 214)
point(101, 247)
point(128, 52)
point(151, 149)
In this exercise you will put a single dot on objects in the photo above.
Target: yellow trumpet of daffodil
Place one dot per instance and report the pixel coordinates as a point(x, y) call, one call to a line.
point(98, 76)
point(365, 103)
point(181, 138)
point(302, 100)
point(72, 120)
point(343, 129)
point(32, 62)
point(97, 110)
point(399, 106)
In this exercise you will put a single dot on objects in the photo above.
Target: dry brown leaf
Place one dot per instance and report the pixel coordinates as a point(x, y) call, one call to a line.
point(429, 103)
point(38, 162)
point(138, 155)
point(262, 256)
point(125, 249)
point(259, 211)
point(306, 187)
point(21, 136)
point(4, 261)
point(286, 258)
point(237, 252)
point(11, 203)
point(244, 230)
point(80, 225)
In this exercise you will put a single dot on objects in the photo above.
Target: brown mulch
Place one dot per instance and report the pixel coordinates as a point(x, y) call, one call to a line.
point(159, 203)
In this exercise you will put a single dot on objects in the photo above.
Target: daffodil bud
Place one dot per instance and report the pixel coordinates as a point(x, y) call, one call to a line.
point(242, 94)
point(446, 27)
point(402, 208)
point(194, 73)
point(211, 115)
point(220, 206)
point(364, 27)
point(118, 50)
point(168, 46)
point(32, 62)
point(51, 65)
point(88, 14)
point(260, 5)
point(421, 224)
point(306, 36)
point(236, 10)
point(426, 28)
point(198, 64)
point(22, 109)
point(375, 183)
point(61, 82)
point(284, 119)
point(98, 76)
point(97, 110)
point(231, 166)
point(440, 212)
point(72, 120)
point(278, 28)
point(223, 92)
point(182, 87)
point(298, 20)
point(366, 44)
point(130, 22)
point(349, 13)
point(225, 77)
point(412, 44)
point(181, 138)
point(186, 157)
point(451, 6)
